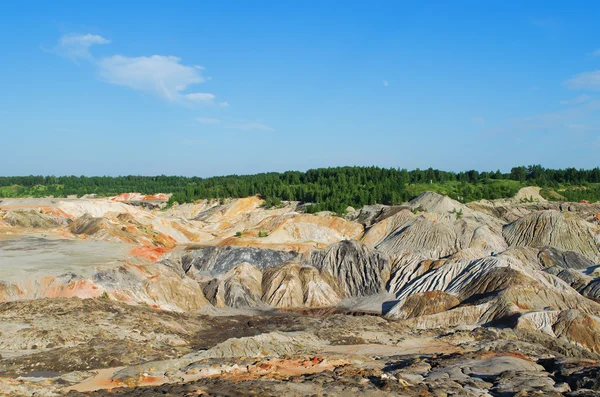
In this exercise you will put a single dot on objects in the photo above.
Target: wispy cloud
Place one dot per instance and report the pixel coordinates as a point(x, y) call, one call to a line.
point(584, 81)
point(76, 46)
point(163, 76)
point(596, 53)
point(208, 120)
point(580, 99)
point(199, 96)
point(249, 126)
point(478, 120)
point(224, 104)
point(385, 83)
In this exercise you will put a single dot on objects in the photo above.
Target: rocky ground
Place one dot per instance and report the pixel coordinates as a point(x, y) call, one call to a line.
point(119, 296)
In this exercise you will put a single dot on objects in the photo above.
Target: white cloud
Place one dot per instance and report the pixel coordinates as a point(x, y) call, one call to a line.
point(596, 53)
point(76, 46)
point(199, 96)
point(160, 75)
point(248, 126)
point(585, 81)
point(579, 99)
point(208, 120)
point(478, 120)
point(163, 76)
point(385, 83)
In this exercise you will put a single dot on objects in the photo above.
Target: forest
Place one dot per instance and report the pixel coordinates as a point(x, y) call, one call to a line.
point(332, 189)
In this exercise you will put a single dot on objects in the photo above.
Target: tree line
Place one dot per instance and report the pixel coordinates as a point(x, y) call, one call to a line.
point(331, 189)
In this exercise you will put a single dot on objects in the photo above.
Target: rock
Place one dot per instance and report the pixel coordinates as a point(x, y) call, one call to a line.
point(550, 257)
point(494, 366)
point(219, 260)
point(591, 290)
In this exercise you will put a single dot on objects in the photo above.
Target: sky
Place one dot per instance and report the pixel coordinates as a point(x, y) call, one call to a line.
point(238, 87)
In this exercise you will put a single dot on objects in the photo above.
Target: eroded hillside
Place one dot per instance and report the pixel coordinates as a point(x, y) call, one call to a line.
point(431, 297)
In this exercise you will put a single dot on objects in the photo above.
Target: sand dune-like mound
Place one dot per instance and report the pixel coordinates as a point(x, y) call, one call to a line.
point(272, 344)
point(379, 231)
point(442, 227)
point(306, 228)
point(425, 303)
point(240, 287)
point(34, 219)
point(356, 269)
point(428, 237)
point(512, 282)
point(121, 228)
point(561, 230)
point(570, 324)
point(292, 285)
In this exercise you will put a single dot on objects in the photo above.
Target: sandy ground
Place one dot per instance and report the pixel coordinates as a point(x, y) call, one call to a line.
point(406, 347)
point(22, 257)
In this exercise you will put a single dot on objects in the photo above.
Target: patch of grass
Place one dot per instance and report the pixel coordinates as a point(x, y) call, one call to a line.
point(458, 213)
point(418, 209)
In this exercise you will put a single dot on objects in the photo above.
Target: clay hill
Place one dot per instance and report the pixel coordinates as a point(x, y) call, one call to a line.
point(125, 297)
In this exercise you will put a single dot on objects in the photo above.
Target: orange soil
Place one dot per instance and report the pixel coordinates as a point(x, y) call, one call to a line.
point(151, 253)
point(257, 243)
point(101, 381)
point(55, 212)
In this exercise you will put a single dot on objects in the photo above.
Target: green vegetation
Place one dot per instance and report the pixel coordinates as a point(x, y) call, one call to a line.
point(238, 234)
point(418, 210)
point(588, 191)
point(458, 213)
point(329, 189)
point(263, 233)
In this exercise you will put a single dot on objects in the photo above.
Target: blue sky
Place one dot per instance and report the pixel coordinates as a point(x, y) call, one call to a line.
point(214, 88)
